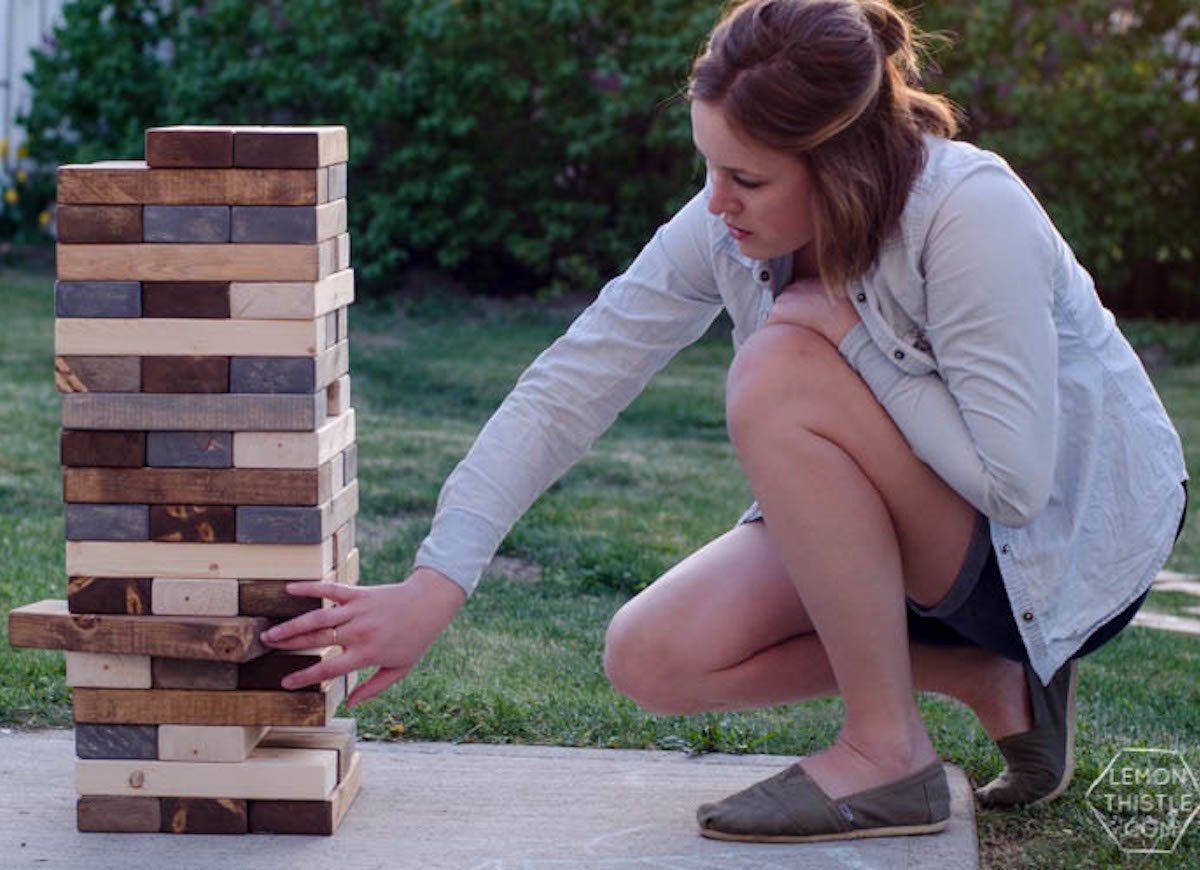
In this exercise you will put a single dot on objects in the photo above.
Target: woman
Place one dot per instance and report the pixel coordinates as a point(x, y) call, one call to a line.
point(964, 478)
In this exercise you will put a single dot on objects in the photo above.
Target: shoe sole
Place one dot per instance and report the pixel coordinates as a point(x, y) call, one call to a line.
point(895, 831)
point(1069, 767)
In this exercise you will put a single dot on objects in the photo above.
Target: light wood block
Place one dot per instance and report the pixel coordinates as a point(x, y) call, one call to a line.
point(202, 262)
point(219, 486)
point(159, 412)
point(108, 522)
point(331, 329)
point(133, 182)
point(117, 595)
point(297, 525)
point(184, 336)
point(171, 596)
point(191, 147)
point(118, 815)
point(268, 774)
point(350, 463)
point(185, 299)
point(291, 300)
point(186, 224)
point(211, 743)
point(340, 735)
point(288, 224)
point(208, 561)
point(333, 363)
point(294, 449)
point(108, 670)
point(348, 571)
point(308, 817)
point(338, 183)
point(185, 374)
point(98, 299)
point(98, 224)
point(193, 674)
point(189, 449)
point(337, 397)
point(105, 374)
point(116, 741)
point(48, 625)
point(343, 323)
point(188, 815)
point(192, 707)
point(193, 523)
point(282, 147)
point(110, 449)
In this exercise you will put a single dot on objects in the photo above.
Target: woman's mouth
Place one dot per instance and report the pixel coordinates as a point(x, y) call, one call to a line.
point(737, 232)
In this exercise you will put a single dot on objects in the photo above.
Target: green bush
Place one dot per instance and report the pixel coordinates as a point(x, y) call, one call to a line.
point(536, 143)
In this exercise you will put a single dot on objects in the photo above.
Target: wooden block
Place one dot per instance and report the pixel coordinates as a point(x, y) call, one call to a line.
point(338, 183)
point(211, 743)
point(118, 815)
point(341, 253)
point(121, 595)
point(106, 374)
point(294, 449)
point(193, 523)
point(339, 475)
point(108, 522)
point(116, 741)
point(97, 299)
point(193, 674)
point(330, 329)
point(257, 412)
point(186, 224)
point(189, 449)
point(98, 224)
point(268, 774)
point(108, 670)
point(207, 561)
point(333, 363)
point(343, 323)
point(270, 598)
point(192, 597)
point(343, 542)
point(133, 182)
point(291, 300)
point(267, 672)
point(337, 397)
point(190, 815)
point(296, 525)
point(350, 463)
point(236, 486)
point(185, 374)
point(48, 625)
point(347, 571)
point(189, 147)
point(290, 147)
point(152, 261)
point(308, 817)
point(280, 374)
point(288, 224)
point(104, 449)
point(340, 735)
point(189, 336)
point(195, 707)
point(185, 299)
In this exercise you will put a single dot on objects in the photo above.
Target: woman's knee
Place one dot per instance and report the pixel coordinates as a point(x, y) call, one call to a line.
point(643, 665)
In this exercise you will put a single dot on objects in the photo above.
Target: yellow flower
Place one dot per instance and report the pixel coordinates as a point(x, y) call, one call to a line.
point(10, 196)
point(44, 219)
point(22, 176)
point(3, 147)
point(22, 150)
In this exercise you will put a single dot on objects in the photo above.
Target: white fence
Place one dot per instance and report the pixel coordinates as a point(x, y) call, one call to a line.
point(24, 24)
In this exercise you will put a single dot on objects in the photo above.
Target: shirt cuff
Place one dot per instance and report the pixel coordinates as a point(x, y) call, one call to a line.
point(865, 357)
point(460, 545)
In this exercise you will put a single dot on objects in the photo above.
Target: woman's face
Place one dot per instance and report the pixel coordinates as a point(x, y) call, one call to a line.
point(763, 195)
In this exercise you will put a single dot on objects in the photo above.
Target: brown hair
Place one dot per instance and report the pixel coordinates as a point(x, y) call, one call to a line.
point(833, 82)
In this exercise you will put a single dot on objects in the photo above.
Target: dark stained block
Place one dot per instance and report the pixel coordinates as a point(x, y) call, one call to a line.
point(116, 741)
point(271, 598)
point(97, 299)
point(279, 525)
point(98, 224)
point(195, 299)
point(274, 224)
point(267, 672)
point(201, 224)
point(117, 814)
point(108, 522)
point(214, 486)
point(185, 374)
point(189, 449)
point(289, 148)
point(186, 147)
point(82, 447)
point(113, 595)
point(201, 524)
point(193, 674)
point(204, 816)
point(267, 374)
point(98, 374)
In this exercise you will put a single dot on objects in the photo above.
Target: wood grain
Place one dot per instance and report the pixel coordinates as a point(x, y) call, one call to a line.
point(294, 300)
point(200, 262)
point(189, 449)
point(108, 670)
point(271, 598)
point(192, 674)
point(185, 374)
point(186, 299)
point(236, 486)
point(170, 596)
point(300, 147)
point(188, 146)
point(308, 817)
point(98, 224)
point(190, 707)
point(106, 374)
point(97, 299)
point(182, 336)
point(118, 595)
point(211, 743)
point(186, 224)
point(294, 449)
point(190, 815)
point(133, 182)
point(116, 741)
point(118, 815)
point(193, 523)
point(202, 561)
point(113, 449)
point(256, 412)
point(48, 625)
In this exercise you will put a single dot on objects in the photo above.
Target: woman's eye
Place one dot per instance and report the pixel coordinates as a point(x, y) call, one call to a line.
point(747, 183)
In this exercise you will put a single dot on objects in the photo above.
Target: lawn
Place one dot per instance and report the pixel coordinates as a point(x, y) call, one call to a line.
point(522, 664)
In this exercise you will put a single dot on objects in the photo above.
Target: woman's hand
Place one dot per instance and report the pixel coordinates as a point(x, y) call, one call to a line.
point(807, 303)
point(386, 626)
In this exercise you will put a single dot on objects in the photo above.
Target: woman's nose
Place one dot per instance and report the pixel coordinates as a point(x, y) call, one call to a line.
point(720, 201)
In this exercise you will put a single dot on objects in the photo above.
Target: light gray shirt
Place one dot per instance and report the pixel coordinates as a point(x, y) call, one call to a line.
point(981, 335)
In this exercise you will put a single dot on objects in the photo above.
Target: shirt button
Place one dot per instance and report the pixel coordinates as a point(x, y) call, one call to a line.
point(898, 354)
point(861, 297)
point(1004, 548)
point(764, 276)
point(1027, 616)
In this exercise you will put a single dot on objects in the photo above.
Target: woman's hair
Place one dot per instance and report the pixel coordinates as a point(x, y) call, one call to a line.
point(834, 83)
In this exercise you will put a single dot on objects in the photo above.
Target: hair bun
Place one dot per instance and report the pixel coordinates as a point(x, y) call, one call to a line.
point(890, 27)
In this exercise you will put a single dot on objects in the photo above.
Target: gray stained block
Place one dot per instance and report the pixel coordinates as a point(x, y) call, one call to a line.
point(108, 374)
point(116, 741)
point(189, 449)
point(186, 223)
point(167, 412)
point(280, 525)
point(274, 224)
point(350, 466)
point(108, 522)
point(98, 298)
point(272, 374)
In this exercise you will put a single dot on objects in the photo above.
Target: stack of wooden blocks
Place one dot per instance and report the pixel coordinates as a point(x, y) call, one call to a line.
point(209, 458)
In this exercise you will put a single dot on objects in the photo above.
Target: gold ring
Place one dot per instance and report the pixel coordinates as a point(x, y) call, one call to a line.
point(333, 628)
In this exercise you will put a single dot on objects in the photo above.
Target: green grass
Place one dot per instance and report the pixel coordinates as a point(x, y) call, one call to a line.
point(522, 663)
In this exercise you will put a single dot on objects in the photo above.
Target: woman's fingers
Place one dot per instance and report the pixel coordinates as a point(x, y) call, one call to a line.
point(312, 628)
point(380, 680)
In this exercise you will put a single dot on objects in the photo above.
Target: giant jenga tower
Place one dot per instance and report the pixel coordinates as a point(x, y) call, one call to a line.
point(209, 458)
